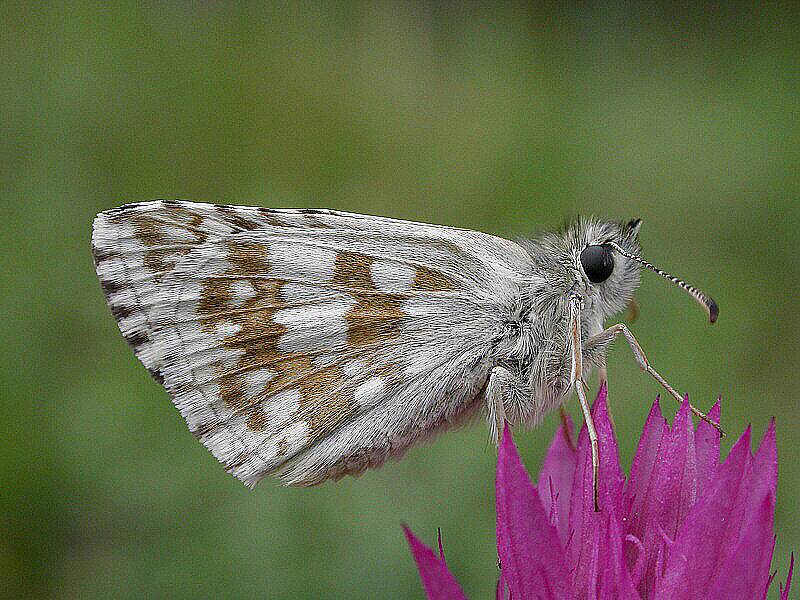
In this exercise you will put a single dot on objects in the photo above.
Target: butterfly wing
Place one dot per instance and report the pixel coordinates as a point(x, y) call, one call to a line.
point(310, 343)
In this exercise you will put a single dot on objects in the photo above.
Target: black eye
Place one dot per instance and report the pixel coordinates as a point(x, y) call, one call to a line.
point(598, 263)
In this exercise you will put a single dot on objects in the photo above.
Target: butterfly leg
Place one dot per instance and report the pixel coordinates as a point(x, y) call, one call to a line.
point(604, 339)
point(576, 381)
point(496, 390)
point(508, 398)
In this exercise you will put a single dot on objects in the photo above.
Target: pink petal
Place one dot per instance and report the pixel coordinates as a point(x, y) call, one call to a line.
point(673, 491)
point(745, 574)
point(764, 474)
point(614, 580)
point(555, 480)
point(669, 494)
point(437, 580)
point(589, 528)
point(694, 557)
point(785, 590)
point(636, 496)
point(531, 557)
point(760, 479)
point(642, 466)
point(707, 449)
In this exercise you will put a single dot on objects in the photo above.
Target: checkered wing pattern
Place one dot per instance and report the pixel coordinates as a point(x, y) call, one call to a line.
point(306, 343)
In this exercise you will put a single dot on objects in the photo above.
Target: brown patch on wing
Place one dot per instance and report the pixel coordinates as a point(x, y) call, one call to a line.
point(257, 421)
point(257, 334)
point(326, 398)
point(377, 315)
point(375, 318)
point(153, 234)
point(352, 270)
point(431, 280)
point(215, 294)
point(240, 222)
point(248, 258)
point(232, 215)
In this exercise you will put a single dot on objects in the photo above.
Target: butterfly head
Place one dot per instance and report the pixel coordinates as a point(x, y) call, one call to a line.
point(606, 263)
point(606, 278)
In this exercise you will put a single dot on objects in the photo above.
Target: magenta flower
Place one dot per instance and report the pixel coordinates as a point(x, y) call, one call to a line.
point(682, 526)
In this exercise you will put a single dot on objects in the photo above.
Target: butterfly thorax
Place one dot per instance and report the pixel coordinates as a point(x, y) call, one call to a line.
point(536, 346)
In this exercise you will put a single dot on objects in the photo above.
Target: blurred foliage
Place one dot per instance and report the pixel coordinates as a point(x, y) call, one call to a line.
point(501, 118)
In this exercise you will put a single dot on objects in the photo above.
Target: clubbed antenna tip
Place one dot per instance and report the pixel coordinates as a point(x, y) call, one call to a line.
point(713, 310)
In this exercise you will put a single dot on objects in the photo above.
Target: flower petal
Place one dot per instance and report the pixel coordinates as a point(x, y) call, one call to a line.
point(555, 480)
point(614, 581)
point(437, 580)
point(764, 474)
point(642, 466)
point(669, 496)
point(707, 449)
point(589, 528)
point(531, 557)
point(636, 489)
point(745, 574)
point(694, 557)
point(760, 480)
point(674, 488)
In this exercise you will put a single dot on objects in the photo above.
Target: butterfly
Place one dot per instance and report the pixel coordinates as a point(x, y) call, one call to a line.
point(313, 343)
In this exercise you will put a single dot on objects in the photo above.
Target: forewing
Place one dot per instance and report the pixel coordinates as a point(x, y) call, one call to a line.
point(311, 343)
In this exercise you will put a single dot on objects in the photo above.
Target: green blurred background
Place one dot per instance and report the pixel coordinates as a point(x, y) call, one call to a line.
point(505, 119)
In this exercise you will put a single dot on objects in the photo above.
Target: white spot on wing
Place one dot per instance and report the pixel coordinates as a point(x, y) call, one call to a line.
point(241, 291)
point(178, 235)
point(353, 368)
point(367, 393)
point(296, 436)
point(281, 407)
point(298, 261)
point(319, 315)
point(256, 381)
point(227, 328)
point(314, 327)
point(423, 308)
point(391, 276)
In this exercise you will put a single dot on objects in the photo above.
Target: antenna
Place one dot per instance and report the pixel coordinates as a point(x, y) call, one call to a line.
point(705, 301)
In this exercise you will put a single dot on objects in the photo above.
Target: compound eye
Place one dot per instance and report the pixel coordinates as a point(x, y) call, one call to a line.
point(597, 262)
